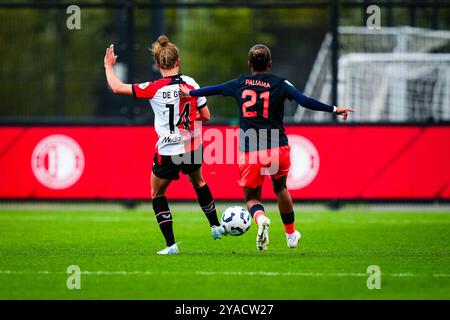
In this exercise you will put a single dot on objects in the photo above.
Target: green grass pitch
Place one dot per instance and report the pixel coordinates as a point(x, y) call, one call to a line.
point(116, 252)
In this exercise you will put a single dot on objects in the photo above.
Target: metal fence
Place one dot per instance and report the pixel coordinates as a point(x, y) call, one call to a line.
point(53, 74)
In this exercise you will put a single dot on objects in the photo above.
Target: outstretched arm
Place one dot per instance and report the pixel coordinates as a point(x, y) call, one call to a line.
point(203, 92)
point(117, 86)
point(314, 104)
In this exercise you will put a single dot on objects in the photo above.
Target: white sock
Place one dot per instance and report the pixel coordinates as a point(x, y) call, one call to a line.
point(261, 216)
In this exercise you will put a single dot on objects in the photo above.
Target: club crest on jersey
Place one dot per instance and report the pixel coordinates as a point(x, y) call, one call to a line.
point(258, 83)
point(143, 85)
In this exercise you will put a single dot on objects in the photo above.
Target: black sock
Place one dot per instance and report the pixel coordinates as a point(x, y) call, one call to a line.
point(288, 218)
point(164, 218)
point(288, 222)
point(206, 201)
point(256, 207)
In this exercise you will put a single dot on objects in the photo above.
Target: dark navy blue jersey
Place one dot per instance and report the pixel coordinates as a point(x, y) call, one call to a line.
point(260, 100)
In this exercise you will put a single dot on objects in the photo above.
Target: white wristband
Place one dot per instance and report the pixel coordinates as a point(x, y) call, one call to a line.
point(334, 109)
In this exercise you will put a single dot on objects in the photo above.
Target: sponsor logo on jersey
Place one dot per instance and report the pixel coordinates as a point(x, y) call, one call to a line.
point(172, 139)
point(305, 162)
point(57, 162)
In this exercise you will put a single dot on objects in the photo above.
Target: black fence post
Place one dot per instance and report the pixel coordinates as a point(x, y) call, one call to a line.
point(334, 6)
point(364, 6)
point(126, 38)
point(60, 79)
point(130, 40)
point(130, 53)
point(389, 16)
point(157, 25)
point(413, 14)
point(125, 50)
point(435, 16)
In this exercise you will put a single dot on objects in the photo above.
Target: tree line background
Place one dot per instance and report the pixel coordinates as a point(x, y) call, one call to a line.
point(51, 73)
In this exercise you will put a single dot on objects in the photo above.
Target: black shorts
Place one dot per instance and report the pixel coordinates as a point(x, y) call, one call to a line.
point(169, 167)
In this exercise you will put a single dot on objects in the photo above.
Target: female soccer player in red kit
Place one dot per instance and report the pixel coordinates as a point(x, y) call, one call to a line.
point(260, 99)
point(179, 146)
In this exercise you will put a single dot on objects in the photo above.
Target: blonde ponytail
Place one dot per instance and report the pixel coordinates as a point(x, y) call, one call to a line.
point(165, 52)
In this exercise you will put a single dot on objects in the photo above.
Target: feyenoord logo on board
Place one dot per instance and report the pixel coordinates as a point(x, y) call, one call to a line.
point(57, 161)
point(304, 162)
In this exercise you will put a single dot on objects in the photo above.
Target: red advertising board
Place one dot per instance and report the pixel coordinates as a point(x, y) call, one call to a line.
point(328, 162)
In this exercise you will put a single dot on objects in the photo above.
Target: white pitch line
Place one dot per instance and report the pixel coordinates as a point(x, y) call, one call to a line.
point(232, 273)
point(89, 219)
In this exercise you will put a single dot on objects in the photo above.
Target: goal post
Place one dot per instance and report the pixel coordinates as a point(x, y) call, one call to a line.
point(397, 74)
point(395, 87)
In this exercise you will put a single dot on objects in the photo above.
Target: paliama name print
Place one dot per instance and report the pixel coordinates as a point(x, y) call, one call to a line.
point(257, 83)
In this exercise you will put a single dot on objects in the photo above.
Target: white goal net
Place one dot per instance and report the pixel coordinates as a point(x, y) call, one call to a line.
point(399, 74)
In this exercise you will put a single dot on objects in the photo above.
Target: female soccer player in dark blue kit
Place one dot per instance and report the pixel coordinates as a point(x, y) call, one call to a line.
point(260, 98)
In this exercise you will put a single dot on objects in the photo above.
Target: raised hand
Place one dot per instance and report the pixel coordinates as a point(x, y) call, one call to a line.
point(343, 111)
point(110, 57)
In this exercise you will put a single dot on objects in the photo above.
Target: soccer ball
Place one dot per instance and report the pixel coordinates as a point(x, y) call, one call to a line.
point(236, 220)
